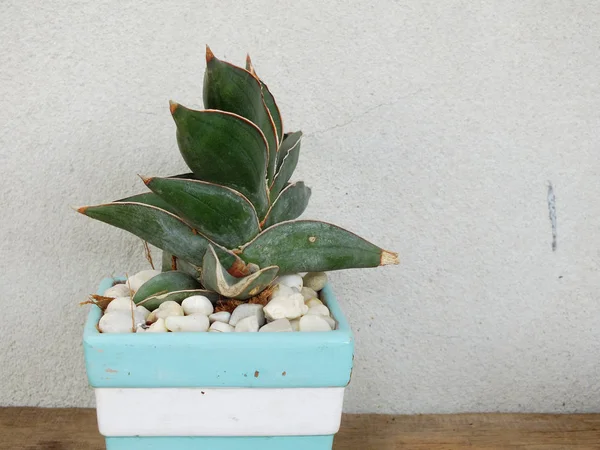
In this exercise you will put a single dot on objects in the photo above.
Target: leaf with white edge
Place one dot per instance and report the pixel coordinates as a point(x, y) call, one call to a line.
point(165, 282)
point(148, 198)
point(288, 142)
point(161, 229)
point(154, 301)
point(216, 278)
point(311, 246)
point(179, 264)
point(231, 88)
point(220, 213)
point(290, 204)
point(224, 148)
point(290, 150)
point(269, 101)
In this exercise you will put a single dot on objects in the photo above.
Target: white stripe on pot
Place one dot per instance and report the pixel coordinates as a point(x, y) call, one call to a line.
point(219, 411)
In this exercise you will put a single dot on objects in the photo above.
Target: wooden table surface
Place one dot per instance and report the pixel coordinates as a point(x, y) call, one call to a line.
point(75, 429)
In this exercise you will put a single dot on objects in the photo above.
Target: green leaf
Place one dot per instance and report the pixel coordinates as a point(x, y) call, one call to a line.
point(148, 198)
point(290, 204)
point(220, 213)
point(154, 301)
point(274, 111)
point(290, 152)
point(180, 264)
point(163, 283)
point(289, 141)
point(310, 246)
point(231, 88)
point(216, 278)
point(269, 101)
point(225, 149)
point(160, 228)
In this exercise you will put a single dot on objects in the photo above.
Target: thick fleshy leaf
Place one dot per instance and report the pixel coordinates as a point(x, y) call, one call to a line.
point(154, 301)
point(163, 283)
point(179, 264)
point(148, 198)
point(311, 246)
point(269, 101)
point(231, 88)
point(161, 229)
point(220, 213)
point(290, 204)
point(290, 151)
point(275, 113)
point(216, 278)
point(288, 142)
point(226, 149)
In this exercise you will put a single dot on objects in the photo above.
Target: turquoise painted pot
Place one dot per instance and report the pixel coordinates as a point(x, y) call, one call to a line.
point(219, 391)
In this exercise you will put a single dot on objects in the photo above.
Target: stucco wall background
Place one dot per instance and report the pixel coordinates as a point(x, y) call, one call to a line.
point(431, 128)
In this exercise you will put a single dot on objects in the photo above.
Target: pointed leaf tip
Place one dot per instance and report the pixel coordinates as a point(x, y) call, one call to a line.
point(82, 210)
point(173, 106)
point(388, 258)
point(146, 180)
point(249, 66)
point(209, 54)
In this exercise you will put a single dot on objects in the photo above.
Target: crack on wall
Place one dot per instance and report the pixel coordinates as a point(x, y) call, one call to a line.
point(362, 114)
point(552, 213)
point(149, 113)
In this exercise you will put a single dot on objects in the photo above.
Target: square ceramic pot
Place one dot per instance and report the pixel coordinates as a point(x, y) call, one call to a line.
point(219, 391)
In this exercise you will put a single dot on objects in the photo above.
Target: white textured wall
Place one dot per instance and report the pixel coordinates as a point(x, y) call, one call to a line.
point(432, 128)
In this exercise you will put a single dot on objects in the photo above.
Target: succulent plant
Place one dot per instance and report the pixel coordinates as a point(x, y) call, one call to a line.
point(231, 222)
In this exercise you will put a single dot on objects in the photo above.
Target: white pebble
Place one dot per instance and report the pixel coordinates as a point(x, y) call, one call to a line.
point(295, 323)
point(120, 322)
point(118, 290)
point(168, 312)
point(168, 309)
point(281, 290)
point(136, 281)
point(143, 310)
point(157, 327)
point(247, 324)
point(278, 325)
point(221, 316)
point(195, 322)
point(121, 304)
point(313, 302)
point(139, 317)
point(315, 280)
point(293, 281)
point(318, 310)
point(330, 321)
point(197, 304)
point(290, 307)
point(152, 317)
point(308, 293)
point(314, 323)
point(220, 327)
point(246, 310)
point(115, 322)
point(169, 304)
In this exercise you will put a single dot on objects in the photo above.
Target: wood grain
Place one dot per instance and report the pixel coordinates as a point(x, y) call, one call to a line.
point(75, 429)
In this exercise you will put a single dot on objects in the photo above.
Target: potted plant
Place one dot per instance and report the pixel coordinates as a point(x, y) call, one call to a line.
point(235, 261)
